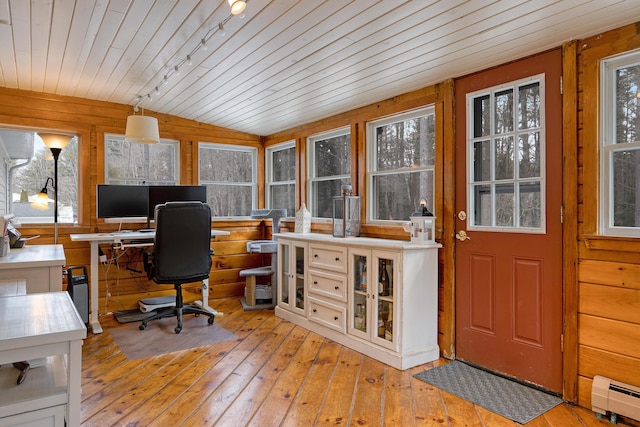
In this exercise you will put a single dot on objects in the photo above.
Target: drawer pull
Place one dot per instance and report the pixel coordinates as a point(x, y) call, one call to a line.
point(337, 287)
point(315, 255)
point(337, 258)
point(315, 282)
point(315, 310)
point(335, 317)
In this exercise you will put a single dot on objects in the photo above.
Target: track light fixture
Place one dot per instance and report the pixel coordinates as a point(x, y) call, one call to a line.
point(237, 6)
point(237, 9)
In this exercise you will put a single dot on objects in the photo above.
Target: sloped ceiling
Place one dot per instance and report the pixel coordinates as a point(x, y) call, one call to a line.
point(286, 62)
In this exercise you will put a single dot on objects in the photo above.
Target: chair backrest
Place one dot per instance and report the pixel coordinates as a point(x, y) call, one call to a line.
point(182, 243)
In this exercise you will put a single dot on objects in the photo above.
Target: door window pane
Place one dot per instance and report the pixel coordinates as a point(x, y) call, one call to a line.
point(530, 204)
point(483, 206)
point(529, 111)
point(504, 157)
point(506, 175)
point(482, 161)
point(529, 156)
point(481, 116)
point(505, 205)
point(503, 111)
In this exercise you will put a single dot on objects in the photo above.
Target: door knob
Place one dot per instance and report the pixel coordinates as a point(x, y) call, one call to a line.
point(462, 215)
point(462, 236)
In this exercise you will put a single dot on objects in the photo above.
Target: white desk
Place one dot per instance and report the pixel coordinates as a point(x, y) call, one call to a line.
point(125, 239)
point(40, 266)
point(41, 325)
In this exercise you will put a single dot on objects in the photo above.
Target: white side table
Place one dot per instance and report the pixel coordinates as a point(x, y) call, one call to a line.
point(34, 326)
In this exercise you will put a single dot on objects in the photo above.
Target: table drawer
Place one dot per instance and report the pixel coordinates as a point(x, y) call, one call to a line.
point(328, 257)
point(327, 314)
point(328, 284)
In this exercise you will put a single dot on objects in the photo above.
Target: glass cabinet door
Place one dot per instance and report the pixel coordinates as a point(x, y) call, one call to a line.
point(300, 269)
point(386, 275)
point(359, 322)
point(292, 269)
point(284, 274)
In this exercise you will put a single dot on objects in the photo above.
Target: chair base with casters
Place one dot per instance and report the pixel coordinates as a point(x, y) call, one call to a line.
point(178, 311)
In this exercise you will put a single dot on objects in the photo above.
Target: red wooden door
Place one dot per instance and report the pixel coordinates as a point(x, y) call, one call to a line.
point(508, 200)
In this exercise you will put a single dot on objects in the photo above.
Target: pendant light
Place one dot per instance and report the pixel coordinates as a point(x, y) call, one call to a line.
point(142, 129)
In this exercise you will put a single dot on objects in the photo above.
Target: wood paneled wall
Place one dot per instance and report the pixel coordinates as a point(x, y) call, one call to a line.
point(441, 97)
point(90, 120)
point(608, 268)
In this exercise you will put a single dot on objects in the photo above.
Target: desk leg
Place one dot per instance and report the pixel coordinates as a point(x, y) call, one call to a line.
point(205, 299)
point(93, 283)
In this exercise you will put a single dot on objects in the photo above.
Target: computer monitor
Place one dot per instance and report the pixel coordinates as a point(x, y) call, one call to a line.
point(159, 194)
point(122, 201)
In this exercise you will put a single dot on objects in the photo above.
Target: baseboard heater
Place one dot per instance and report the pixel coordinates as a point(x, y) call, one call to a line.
point(616, 398)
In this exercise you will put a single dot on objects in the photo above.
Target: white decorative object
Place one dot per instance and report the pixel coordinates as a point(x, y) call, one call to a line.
point(303, 220)
point(421, 225)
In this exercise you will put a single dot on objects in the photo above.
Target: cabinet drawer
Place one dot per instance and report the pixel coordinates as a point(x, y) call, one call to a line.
point(329, 285)
point(328, 257)
point(327, 314)
point(46, 417)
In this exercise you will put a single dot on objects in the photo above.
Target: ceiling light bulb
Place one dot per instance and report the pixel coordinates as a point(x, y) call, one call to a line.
point(221, 30)
point(189, 61)
point(176, 70)
point(237, 6)
point(157, 91)
point(165, 80)
point(203, 44)
point(149, 97)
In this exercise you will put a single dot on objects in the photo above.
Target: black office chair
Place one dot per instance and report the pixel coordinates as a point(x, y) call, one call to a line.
point(181, 254)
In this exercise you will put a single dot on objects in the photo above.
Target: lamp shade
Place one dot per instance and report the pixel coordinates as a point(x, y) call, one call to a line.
point(237, 6)
point(55, 140)
point(41, 201)
point(142, 129)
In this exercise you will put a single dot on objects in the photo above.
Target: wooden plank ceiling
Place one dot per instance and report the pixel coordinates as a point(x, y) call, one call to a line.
point(286, 62)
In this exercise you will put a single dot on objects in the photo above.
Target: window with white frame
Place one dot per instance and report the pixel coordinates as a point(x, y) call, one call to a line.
point(136, 163)
point(29, 167)
point(329, 156)
point(620, 143)
point(229, 172)
point(281, 177)
point(401, 153)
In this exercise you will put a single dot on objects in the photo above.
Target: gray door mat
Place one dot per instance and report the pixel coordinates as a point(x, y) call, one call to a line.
point(505, 397)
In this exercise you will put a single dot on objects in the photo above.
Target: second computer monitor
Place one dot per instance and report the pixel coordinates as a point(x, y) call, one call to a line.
point(159, 194)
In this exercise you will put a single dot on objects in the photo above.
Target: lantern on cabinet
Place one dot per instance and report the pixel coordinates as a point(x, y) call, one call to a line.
point(421, 225)
point(346, 214)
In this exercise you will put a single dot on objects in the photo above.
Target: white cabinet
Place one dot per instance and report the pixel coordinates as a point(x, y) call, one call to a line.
point(377, 296)
point(46, 326)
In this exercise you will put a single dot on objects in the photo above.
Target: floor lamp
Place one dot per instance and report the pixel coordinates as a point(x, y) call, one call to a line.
point(55, 142)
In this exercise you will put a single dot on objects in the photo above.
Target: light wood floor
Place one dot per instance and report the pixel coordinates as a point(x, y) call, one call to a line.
point(276, 373)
